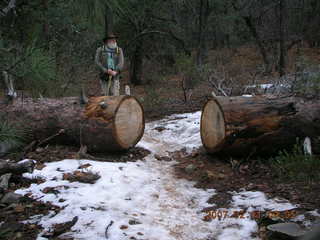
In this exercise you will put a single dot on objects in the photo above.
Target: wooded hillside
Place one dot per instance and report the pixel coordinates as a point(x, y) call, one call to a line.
point(47, 46)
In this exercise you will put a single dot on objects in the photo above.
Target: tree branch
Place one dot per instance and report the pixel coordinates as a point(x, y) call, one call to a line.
point(170, 34)
point(16, 168)
point(11, 5)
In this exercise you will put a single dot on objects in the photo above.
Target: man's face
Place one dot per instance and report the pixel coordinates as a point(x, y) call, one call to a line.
point(111, 41)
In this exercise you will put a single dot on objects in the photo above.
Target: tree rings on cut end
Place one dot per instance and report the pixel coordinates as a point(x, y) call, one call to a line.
point(213, 130)
point(128, 122)
point(115, 123)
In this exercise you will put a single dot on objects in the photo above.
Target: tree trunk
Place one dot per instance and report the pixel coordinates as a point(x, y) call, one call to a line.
point(108, 20)
point(46, 30)
point(250, 24)
point(204, 12)
point(243, 127)
point(283, 48)
point(136, 65)
point(105, 124)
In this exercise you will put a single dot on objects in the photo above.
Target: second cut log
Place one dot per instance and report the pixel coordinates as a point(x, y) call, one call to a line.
point(257, 126)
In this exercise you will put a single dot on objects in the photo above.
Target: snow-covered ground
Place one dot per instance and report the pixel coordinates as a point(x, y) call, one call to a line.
point(144, 199)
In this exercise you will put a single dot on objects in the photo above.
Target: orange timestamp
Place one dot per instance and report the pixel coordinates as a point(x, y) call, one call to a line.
point(221, 214)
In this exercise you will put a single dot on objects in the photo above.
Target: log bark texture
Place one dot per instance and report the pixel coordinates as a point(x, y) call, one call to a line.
point(16, 168)
point(258, 126)
point(104, 124)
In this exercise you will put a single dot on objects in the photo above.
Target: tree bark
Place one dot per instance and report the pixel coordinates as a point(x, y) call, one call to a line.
point(244, 127)
point(105, 124)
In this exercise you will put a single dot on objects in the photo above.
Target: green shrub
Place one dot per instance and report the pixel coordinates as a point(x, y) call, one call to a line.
point(307, 80)
point(38, 71)
point(308, 83)
point(296, 165)
point(11, 138)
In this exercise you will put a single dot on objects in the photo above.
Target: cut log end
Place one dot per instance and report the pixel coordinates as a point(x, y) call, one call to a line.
point(213, 130)
point(129, 123)
point(123, 115)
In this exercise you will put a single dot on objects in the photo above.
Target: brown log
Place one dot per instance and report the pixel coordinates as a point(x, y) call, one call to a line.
point(104, 124)
point(16, 168)
point(258, 126)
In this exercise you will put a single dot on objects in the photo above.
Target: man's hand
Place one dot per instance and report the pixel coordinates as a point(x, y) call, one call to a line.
point(111, 72)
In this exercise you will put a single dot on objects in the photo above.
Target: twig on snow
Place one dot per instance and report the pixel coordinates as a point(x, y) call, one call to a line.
point(107, 228)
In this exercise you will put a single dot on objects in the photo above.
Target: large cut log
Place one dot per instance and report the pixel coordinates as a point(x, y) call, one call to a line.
point(104, 124)
point(258, 126)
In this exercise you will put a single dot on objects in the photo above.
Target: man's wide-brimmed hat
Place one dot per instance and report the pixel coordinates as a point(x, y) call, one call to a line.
point(110, 36)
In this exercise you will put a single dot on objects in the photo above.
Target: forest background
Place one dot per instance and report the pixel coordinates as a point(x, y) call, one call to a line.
point(175, 50)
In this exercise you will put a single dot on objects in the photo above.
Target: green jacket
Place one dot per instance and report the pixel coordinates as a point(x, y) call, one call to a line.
point(101, 58)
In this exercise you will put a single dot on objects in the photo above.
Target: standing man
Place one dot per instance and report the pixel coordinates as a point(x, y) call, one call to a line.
point(109, 59)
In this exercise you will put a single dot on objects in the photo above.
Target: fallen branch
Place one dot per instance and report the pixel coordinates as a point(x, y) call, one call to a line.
point(61, 228)
point(11, 5)
point(107, 228)
point(29, 148)
point(35, 144)
point(16, 168)
point(61, 131)
point(217, 87)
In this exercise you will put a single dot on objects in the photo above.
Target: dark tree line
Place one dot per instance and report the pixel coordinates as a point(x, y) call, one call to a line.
point(49, 44)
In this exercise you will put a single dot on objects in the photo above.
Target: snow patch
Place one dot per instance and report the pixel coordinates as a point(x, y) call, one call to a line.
point(180, 130)
point(145, 192)
point(26, 160)
point(315, 213)
point(259, 201)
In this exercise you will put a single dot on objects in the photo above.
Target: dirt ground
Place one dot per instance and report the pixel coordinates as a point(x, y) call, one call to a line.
point(209, 172)
point(13, 214)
